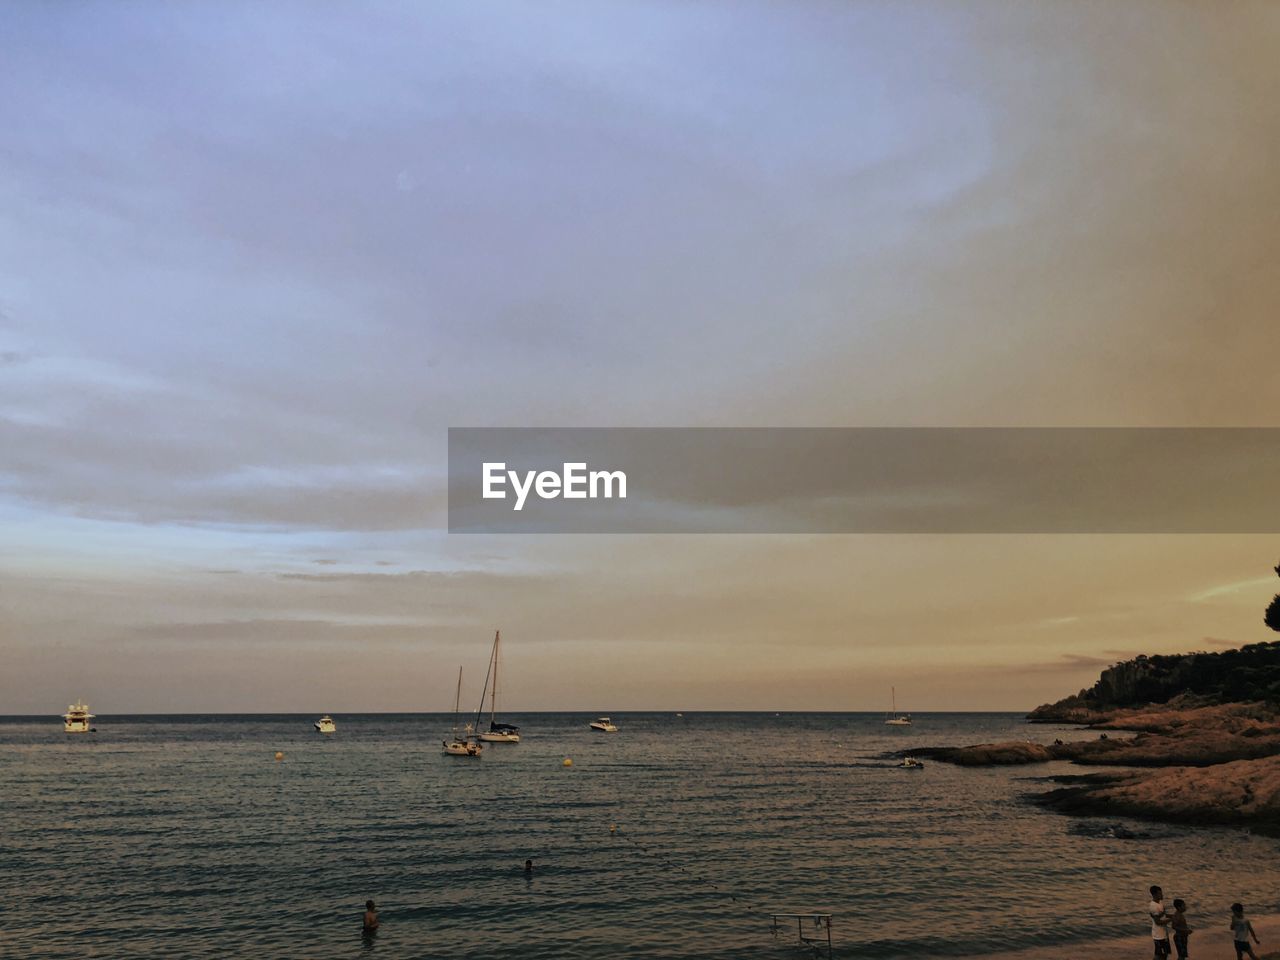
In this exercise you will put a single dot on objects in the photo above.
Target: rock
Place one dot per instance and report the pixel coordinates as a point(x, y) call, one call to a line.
point(1241, 793)
point(1184, 713)
point(1209, 721)
point(1184, 732)
point(1105, 830)
point(990, 754)
point(1192, 746)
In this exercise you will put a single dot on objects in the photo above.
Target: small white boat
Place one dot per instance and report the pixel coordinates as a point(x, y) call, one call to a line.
point(911, 763)
point(466, 745)
point(326, 725)
point(604, 725)
point(892, 719)
point(461, 748)
point(497, 732)
point(77, 717)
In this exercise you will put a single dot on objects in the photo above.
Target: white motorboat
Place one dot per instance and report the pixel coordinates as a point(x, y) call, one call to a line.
point(77, 717)
point(326, 725)
point(604, 725)
point(466, 745)
point(497, 732)
point(911, 763)
point(893, 719)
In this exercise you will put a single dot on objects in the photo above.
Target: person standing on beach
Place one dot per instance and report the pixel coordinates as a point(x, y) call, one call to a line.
point(1241, 931)
point(1159, 924)
point(1181, 929)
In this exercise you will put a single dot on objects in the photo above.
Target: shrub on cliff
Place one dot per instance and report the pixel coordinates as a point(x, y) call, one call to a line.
point(1272, 617)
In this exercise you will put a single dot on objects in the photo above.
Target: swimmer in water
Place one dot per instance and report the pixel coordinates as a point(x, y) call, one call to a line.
point(370, 917)
point(528, 868)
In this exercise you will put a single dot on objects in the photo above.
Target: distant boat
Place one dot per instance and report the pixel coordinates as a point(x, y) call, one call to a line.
point(497, 732)
point(892, 719)
point(77, 717)
point(604, 725)
point(465, 746)
point(326, 725)
point(911, 763)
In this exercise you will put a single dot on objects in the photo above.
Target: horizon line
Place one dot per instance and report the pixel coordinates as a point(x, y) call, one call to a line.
point(428, 713)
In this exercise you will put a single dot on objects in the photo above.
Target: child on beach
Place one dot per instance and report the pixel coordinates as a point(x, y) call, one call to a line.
point(1159, 924)
point(1181, 929)
point(1242, 930)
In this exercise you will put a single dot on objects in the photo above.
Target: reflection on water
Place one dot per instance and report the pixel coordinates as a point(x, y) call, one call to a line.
point(184, 837)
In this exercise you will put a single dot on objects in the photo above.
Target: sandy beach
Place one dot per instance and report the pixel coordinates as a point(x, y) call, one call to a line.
point(1211, 939)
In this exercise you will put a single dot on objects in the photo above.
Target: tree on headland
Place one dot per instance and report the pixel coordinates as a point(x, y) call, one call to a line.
point(1272, 617)
point(1247, 674)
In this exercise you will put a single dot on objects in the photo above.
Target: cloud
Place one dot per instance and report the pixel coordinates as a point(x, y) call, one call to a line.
point(236, 361)
point(269, 632)
point(1066, 663)
point(204, 471)
point(1232, 589)
point(1058, 621)
point(414, 579)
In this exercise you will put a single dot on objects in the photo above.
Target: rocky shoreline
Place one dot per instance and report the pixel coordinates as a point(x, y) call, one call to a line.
point(1243, 793)
point(1187, 761)
point(1174, 734)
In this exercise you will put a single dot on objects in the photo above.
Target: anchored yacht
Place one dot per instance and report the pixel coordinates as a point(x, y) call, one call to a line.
point(497, 732)
point(77, 717)
point(325, 725)
point(466, 745)
point(461, 748)
point(893, 718)
point(604, 725)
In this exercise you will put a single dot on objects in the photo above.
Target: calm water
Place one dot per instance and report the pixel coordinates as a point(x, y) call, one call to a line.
point(180, 836)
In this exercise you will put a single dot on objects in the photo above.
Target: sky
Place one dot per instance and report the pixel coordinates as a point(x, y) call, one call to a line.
point(255, 260)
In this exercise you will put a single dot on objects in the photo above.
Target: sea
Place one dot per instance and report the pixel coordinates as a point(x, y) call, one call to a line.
point(676, 837)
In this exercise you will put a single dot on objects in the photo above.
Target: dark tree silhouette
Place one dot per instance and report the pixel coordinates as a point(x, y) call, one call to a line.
point(1272, 617)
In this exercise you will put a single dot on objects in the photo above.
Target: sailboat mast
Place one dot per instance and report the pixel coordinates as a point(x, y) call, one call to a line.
point(493, 694)
point(457, 702)
point(893, 700)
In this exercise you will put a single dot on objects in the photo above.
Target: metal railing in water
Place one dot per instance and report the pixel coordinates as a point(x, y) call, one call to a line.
point(813, 930)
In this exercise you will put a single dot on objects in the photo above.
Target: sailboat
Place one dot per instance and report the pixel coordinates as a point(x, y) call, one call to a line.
point(465, 746)
point(497, 732)
point(892, 719)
